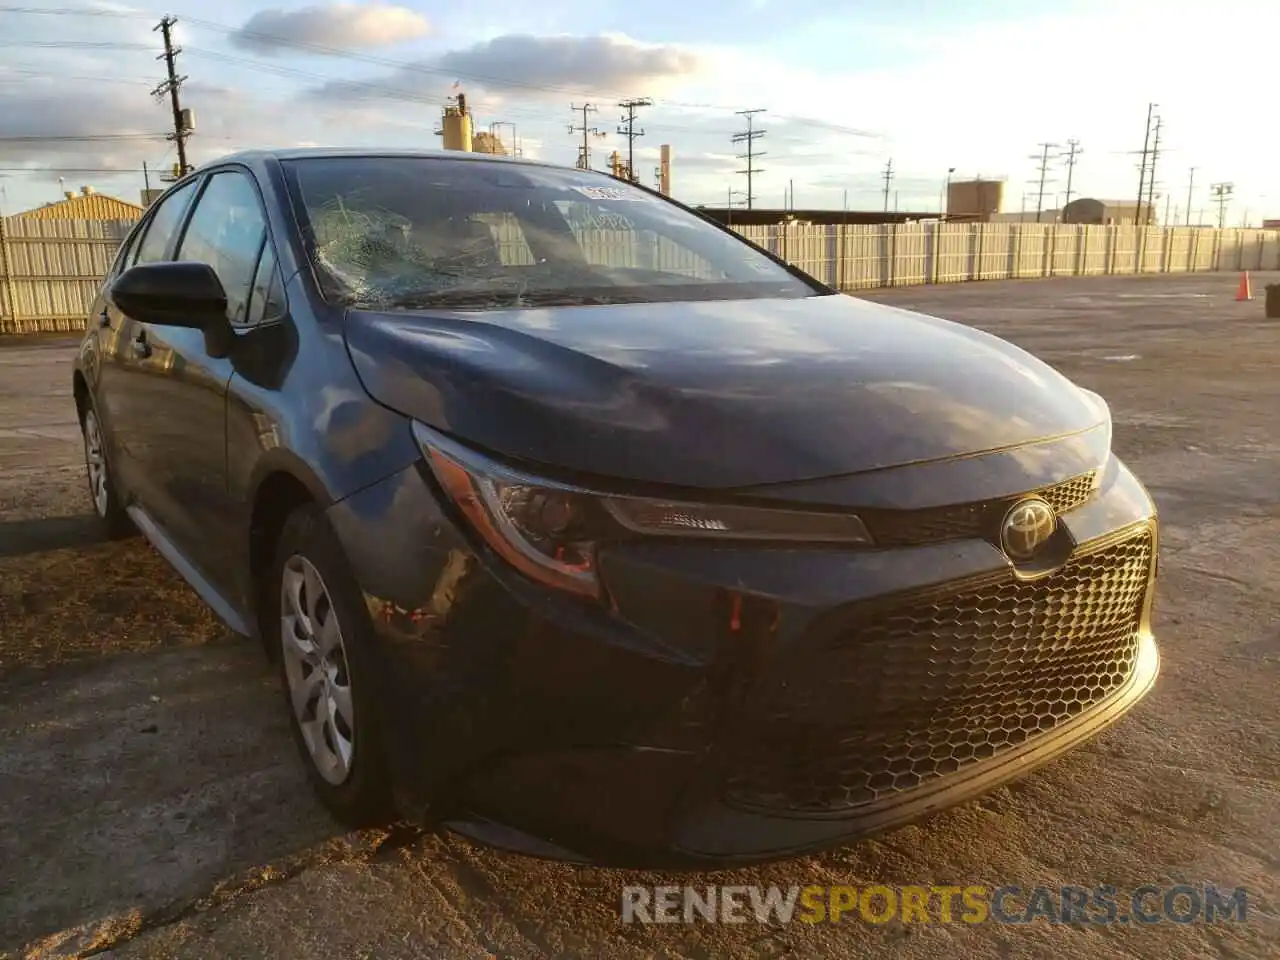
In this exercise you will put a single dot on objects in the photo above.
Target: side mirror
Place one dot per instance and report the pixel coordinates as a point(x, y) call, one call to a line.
point(181, 294)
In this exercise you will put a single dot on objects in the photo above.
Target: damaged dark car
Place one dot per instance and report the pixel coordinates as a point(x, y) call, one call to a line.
point(579, 524)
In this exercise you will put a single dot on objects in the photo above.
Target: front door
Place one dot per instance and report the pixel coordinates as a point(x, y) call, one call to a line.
point(187, 450)
point(130, 367)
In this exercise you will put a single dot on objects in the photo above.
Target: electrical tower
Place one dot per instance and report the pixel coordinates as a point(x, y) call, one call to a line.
point(749, 137)
point(1221, 194)
point(171, 86)
point(630, 131)
point(587, 131)
point(1151, 183)
point(887, 176)
point(1043, 158)
point(1142, 167)
point(1073, 151)
point(1191, 185)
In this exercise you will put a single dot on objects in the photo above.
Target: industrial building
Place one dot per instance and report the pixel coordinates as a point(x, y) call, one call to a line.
point(976, 200)
point(88, 204)
point(1108, 212)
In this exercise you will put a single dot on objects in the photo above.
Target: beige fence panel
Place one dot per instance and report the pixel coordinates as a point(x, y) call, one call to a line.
point(1178, 250)
point(50, 270)
point(955, 253)
point(1269, 250)
point(1094, 243)
point(1029, 241)
point(910, 243)
point(1065, 248)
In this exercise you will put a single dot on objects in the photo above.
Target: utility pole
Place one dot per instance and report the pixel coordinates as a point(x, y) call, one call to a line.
point(1191, 183)
point(887, 176)
point(171, 86)
point(1221, 194)
point(1073, 151)
point(630, 131)
point(1151, 186)
point(1142, 168)
point(749, 137)
point(587, 131)
point(1044, 174)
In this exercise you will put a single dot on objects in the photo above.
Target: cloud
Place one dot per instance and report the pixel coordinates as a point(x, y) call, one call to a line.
point(529, 67)
point(603, 63)
point(336, 26)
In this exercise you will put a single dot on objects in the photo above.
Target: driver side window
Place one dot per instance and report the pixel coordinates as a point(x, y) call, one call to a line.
point(227, 231)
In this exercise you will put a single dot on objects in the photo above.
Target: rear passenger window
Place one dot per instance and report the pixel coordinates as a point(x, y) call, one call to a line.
point(227, 231)
point(159, 231)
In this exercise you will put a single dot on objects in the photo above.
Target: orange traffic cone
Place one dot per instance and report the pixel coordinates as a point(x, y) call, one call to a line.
point(1244, 292)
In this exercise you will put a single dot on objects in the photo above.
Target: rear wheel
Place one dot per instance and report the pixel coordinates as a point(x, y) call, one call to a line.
point(323, 631)
point(102, 489)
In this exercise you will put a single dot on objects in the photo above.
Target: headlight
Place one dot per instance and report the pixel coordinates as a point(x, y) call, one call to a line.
point(550, 531)
point(1104, 413)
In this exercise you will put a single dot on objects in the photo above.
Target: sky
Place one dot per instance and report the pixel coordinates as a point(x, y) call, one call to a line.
point(846, 86)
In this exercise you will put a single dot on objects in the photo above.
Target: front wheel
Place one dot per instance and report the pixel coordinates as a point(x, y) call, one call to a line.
point(102, 489)
point(323, 635)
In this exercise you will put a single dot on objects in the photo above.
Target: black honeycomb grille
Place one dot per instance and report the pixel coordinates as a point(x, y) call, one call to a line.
point(969, 520)
point(926, 685)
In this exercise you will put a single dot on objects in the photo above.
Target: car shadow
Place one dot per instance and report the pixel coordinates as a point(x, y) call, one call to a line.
point(19, 537)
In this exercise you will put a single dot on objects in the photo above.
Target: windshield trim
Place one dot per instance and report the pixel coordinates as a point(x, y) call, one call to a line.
point(334, 295)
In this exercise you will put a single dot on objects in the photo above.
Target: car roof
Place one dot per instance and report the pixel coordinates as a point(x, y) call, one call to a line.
point(252, 157)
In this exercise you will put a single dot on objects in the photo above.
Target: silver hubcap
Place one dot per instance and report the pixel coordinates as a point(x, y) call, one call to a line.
point(315, 663)
point(96, 461)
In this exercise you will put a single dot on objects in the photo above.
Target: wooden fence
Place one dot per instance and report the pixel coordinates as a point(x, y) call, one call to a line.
point(50, 270)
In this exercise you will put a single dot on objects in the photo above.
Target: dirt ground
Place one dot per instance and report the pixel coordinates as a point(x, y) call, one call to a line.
point(151, 803)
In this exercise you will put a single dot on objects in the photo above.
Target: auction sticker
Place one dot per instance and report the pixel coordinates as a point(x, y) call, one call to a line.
point(606, 193)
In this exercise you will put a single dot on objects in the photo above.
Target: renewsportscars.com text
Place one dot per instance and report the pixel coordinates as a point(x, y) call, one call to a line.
point(876, 903)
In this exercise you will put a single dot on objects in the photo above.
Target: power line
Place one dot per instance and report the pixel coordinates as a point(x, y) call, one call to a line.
point(587, 131)
point(630, 131)
point(1044, 175)
point(75, 45)
point(171, 86)
point(749, 137)
point(85, 138)
point(46, 170)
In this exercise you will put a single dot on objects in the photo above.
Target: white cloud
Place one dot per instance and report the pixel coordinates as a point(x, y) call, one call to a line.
point(336, 26)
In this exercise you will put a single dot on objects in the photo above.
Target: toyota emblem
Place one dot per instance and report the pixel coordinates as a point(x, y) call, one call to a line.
point(1026, 528)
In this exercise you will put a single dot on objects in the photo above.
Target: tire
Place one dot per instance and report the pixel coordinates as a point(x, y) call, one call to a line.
point(103, 493)
point(333, 715)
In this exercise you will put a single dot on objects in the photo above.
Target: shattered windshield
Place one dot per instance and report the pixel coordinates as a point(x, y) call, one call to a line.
point(405, 232)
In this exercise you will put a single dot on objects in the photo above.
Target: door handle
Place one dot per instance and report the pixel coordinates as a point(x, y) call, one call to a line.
point(140, 346)
point(104, 318)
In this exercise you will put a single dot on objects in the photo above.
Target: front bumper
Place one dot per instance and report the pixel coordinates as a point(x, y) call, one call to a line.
point(740, 704)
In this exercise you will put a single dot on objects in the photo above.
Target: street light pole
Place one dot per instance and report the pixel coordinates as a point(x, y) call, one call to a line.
point(945, 205)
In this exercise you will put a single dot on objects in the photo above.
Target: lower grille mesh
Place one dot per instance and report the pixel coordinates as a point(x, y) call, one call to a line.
point(921, 687)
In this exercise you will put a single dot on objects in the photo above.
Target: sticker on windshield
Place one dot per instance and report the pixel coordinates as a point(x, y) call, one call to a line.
point(607, 193)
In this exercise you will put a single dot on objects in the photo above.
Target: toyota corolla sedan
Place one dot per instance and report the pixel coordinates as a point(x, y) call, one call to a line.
point(579, 524)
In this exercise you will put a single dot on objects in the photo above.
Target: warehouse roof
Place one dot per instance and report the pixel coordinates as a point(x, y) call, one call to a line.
point(85, 206)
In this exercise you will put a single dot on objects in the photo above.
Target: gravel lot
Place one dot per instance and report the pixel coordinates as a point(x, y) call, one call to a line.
point(151, 803)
